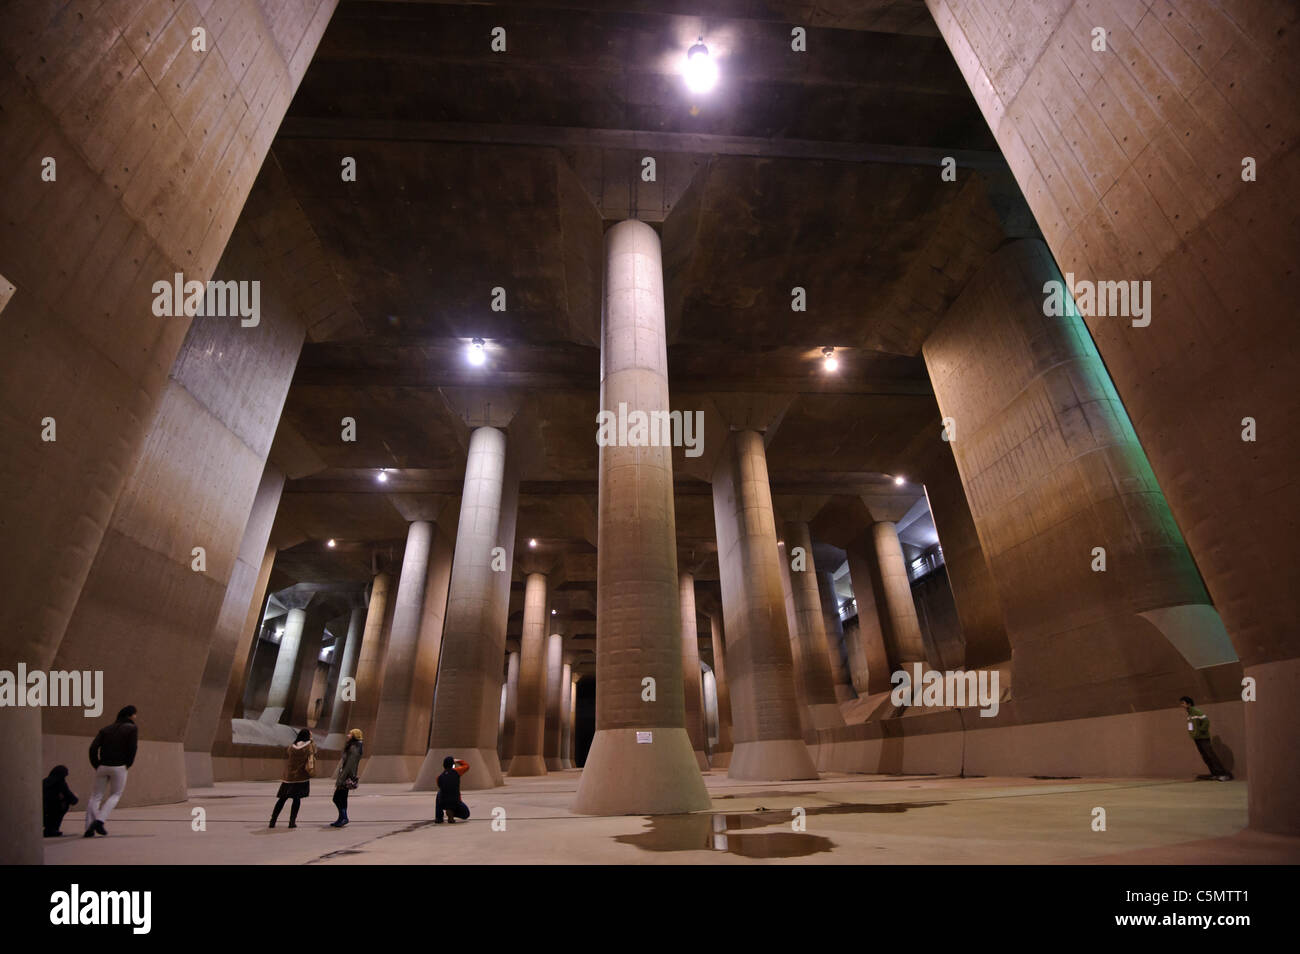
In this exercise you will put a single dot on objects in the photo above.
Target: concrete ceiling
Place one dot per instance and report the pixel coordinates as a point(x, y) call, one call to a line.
point(478, 170)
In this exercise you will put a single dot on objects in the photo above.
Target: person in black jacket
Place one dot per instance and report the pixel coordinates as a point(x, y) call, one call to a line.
point(111, 754)
point(448, 799)
point(57, 798)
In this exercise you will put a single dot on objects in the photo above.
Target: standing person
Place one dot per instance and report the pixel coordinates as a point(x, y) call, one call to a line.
point(448, 799)
point(299, 763)
point(111, 754)
point(1198, 727)
point(56, 799)
point(346, 779)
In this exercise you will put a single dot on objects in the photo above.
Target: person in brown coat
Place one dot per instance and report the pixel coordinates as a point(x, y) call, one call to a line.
point(299, 763)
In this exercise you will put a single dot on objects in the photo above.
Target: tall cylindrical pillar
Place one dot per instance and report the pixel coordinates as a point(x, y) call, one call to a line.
point(721, 755)
point(512, 710)
point(768, 737)
point(840, 674)
point(902, 629)
point(710, 709)
point(370, 658)
point(809, 638)
point(641, 759)
point(286, 660)
point(530, 724)
point(554, 677)
point(473, 640)
point(566, 688)
point(691, 688)
point(345, 692)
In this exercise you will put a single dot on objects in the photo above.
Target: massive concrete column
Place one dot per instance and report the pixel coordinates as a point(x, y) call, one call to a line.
point(301, 688)
point(641, 759)
point(984, 635)
point(473, 642)
point(1038, 420)
point(345, 690)
point(721, 755)
point(710, 708)
point(411, 662)
point(692, 690)
point(840, 675)
point(768, 738)
point(370, 662)
point(889, 580)
point(1156, 191)
point(286, 662)
point(163, 150)
point(566, 687)
point(530, 724)
point(512, 709)
point(553, 698)
point(573, 723)
point(868, 660)
point(228, 635)
point(808, 641)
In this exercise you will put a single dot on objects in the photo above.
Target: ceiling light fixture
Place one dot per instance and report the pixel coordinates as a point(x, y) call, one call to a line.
point(382, 476)
point(532, 543)
point(476, 355)
point(899, 481)
point(330, 543)
point(829, 361)
point(701, 72)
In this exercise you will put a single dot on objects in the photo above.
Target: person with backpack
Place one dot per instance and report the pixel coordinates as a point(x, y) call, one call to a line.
point(299, 764)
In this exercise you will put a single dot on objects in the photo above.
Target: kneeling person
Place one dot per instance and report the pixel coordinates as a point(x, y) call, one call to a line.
point(448, 799)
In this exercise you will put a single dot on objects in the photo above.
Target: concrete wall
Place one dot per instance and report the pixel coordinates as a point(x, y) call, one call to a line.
point(156, 148)
point(1126, 745)
point(1131, 161)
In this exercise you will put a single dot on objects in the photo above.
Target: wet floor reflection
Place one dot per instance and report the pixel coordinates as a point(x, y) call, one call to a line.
point(734, 834)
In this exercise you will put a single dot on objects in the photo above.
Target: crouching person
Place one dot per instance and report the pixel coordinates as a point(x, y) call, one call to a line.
point(448, 799)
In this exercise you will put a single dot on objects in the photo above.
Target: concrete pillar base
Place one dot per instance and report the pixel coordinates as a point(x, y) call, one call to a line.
point(379, 769)
point(484, 770)
point(554, 765)
point(771, 760)
point(702, 759)
point(198, 770)
point(525, 766)
point(1273, 786)
point(624, 777)
point(720, 760)
point(157, 777)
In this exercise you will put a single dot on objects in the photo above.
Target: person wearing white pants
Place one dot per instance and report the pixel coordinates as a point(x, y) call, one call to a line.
point(111, 754)
point(110, 779)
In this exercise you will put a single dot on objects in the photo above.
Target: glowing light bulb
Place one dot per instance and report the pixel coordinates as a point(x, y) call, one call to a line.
point(898, 481)
point(829, 361)
point(701, 72)
point(532, 543)
point(330, 543)
point(476, 355)
point(382, 477)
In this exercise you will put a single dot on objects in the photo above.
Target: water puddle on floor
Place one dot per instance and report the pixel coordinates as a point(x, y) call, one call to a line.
point(732, 833)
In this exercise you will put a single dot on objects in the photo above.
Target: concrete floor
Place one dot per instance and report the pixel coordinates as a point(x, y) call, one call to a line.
point(850, 819)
